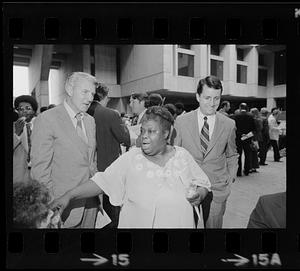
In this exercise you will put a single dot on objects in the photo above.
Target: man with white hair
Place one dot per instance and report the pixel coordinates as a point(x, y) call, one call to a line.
point(63, 149)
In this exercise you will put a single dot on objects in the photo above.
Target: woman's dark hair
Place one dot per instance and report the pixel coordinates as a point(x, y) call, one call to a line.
point(161, 114)
point(30, 204)
point(210, 81)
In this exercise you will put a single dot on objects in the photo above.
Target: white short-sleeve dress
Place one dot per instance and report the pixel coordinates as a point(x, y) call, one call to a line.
point(152, 196)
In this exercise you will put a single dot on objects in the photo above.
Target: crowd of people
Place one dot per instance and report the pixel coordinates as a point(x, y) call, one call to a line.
point(256, 132)
point(160, 167)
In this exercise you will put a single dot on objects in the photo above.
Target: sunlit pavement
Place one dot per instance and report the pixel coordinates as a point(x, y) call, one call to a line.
point(247, 189)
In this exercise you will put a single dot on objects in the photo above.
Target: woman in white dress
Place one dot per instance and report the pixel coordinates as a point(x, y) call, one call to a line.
point(156, 185)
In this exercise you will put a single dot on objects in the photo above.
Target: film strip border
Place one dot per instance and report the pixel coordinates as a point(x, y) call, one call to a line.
point(153, 249)
point(136, 23)
point(159, 23)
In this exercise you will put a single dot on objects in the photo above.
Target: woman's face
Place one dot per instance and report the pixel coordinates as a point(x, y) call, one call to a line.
point(153, 137)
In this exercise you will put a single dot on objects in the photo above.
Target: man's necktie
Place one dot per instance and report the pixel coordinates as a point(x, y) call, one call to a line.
point(28, 130)
point(204, 136)
point(79, 128)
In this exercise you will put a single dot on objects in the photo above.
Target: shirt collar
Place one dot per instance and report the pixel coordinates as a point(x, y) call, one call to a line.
point(70, 111)
point(201, 116)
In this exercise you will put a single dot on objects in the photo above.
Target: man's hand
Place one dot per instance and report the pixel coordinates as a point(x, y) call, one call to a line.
point(19, 125)
point(60, 204)
point(197, 196)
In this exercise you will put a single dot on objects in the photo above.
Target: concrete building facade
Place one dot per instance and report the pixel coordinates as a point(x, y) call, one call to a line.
point(250, 73)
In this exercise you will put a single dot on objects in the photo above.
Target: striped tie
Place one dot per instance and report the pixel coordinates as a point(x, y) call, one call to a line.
point(79, 128)
point(204, 137)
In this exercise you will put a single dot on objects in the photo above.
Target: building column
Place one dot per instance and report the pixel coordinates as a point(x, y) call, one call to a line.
point(271, 103)
point(252, 71)
point(229, 69)
point(39, 69)
point(201, 61)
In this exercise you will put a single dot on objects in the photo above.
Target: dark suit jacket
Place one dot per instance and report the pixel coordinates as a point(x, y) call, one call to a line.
point(110, 133)
point(244, 123)
point(269, 212)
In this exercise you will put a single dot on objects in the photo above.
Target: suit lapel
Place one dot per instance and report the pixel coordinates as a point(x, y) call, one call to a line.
point(70, 130)
point(218, 129)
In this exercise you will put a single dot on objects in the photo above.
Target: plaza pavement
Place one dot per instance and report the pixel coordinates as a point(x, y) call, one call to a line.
point(246, 190)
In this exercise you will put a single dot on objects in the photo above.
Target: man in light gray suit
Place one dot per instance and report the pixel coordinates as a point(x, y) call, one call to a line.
point(63, 149)
point(210, 137)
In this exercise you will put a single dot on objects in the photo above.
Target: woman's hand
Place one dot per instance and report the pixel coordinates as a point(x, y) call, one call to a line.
point(60, 204)
point(197, 195)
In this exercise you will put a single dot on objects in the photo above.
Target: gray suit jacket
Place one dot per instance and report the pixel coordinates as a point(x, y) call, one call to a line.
point(221, 159)
point(61, 159)
point(21, 172)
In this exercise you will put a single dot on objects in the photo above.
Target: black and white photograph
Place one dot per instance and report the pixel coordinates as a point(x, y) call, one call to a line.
point(149, 136)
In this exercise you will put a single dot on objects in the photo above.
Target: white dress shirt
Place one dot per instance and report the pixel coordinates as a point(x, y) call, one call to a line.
point(72, 115)
point(211, 119)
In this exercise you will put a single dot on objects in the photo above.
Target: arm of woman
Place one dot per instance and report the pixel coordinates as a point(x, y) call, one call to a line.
point(85, 190)
point(199, 180)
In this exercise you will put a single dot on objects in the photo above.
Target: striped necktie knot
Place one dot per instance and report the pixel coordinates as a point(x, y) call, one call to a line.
point(204, 136)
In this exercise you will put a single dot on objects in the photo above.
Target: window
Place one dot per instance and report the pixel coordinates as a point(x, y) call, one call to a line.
point(185, 46)
point(20, 80)
point(262, 77)
point(279, 68)
point(216, 68)
point(261, 60)
point(241, 74)
point(215, 50)
point(185, 65)
point(240, 54)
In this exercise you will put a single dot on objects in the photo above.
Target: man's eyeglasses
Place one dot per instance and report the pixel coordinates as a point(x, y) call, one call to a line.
point(28, 108)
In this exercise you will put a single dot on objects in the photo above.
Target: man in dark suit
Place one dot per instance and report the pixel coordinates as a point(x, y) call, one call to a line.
point(269, 212)
point(263, 145)
point(110, 133)
point(244, 125)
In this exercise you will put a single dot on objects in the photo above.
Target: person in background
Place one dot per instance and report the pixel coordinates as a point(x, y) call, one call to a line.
point(269, 212)
point(26, 107)
point(154, 99)
point(63, 149)
point(244, 126)
point(180, 109)
point(264, 144)
point(210, 137)
point(274, 132)
point(156, 184)
point(172, 109)
point(110, 134)
point(225, 107)
point(137, 105)
point(256, 140)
